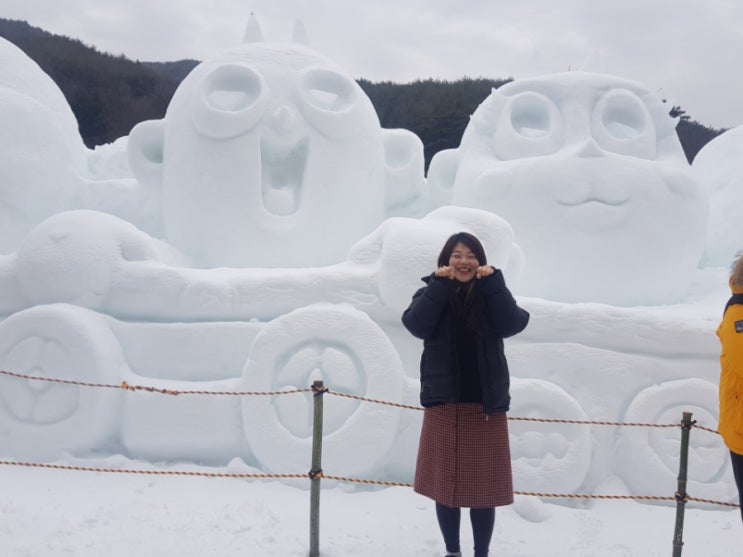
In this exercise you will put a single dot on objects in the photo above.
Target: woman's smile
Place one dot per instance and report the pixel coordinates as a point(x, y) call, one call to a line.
point(464, 263)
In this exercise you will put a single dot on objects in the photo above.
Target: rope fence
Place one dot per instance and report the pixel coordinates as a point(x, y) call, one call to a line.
point(524, 419)
point(176, 392)
point(316, 474)
point(133, 388)
point(342, 479)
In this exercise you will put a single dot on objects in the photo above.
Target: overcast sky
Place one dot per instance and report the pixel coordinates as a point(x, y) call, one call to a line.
point(689, 51)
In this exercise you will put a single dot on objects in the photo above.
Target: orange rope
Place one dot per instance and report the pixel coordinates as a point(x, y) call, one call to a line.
point(152, 472)
point(343, 479)
point(175, 392)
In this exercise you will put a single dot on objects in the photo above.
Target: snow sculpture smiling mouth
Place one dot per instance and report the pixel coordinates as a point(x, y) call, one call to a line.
point(594, 204)
point(282, 175)
point(592, 200)
point(596, 212)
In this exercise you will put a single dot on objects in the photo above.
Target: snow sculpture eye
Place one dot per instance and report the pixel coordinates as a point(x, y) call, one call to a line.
point(327, 101)
point(530, 125)
point(230, 101)
point(622, 124)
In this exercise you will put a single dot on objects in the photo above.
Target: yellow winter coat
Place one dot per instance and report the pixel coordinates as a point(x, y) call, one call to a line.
point(730, 333)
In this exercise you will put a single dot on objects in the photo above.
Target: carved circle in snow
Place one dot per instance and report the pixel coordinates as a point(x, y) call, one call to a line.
point(656, 450)
point(43, 419)
point(345, 349)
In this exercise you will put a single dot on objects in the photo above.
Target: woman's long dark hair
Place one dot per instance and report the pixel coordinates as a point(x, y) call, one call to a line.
point(467, 305)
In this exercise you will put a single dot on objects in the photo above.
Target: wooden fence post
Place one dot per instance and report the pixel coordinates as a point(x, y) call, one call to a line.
point(678, 535)
point(318, 390)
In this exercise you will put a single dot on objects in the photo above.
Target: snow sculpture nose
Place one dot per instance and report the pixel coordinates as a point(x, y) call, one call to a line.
point(283, 119)
point(590, 149)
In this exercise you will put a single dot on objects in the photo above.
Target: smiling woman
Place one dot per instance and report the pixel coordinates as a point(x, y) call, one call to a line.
point(463, 314)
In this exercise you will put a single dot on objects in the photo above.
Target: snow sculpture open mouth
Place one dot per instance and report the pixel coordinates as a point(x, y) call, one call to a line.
point(282, 175)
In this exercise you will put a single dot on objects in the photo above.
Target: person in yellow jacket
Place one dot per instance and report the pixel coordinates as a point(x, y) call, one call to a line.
point(730, 333)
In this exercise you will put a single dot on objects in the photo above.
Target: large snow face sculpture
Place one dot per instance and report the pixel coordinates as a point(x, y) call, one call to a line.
point(269, 156)
point(41, 153)
point(590, 173)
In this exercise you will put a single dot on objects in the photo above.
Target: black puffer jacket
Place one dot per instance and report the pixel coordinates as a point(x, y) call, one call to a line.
point(429, 317)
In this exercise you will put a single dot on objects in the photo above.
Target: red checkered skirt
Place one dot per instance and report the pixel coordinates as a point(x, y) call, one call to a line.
point(464, 458)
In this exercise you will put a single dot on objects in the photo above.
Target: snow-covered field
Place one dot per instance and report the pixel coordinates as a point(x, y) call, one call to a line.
point(82, 514)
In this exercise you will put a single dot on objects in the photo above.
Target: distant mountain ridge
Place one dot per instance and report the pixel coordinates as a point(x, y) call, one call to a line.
point(175, 71)
point(110, 94)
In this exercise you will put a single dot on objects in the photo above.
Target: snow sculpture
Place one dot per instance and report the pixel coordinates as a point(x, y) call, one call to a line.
point(618, 365)
point(588, 170)
point(177, 327)
point(658, 448)
point(264, 141)
point(46, 169)
point(75, 257)
point(719, 168)
point(42, 154)
point(351, 354)
point(405, 185)
point(43, 420)
point(202, 429)
point(540, 451)
point(101, 298)
point(406, 249)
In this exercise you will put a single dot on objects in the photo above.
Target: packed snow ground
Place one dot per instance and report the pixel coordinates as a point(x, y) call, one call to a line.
point(82, 514)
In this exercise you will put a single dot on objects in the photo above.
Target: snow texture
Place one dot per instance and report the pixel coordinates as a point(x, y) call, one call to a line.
point(718, 167)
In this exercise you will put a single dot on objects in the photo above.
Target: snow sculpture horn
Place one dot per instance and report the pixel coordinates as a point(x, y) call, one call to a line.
point(253, 33)
point(299, 35)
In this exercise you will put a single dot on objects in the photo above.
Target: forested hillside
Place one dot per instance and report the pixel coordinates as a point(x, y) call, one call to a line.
point(110, 94)
point(437, 111)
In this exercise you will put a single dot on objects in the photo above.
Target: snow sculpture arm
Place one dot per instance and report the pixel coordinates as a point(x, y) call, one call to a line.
point(404, 181)
point(441, 175)
point(145, 152)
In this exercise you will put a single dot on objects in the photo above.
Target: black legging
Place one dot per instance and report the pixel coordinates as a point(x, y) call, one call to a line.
point(483, 521)
point(737, 461)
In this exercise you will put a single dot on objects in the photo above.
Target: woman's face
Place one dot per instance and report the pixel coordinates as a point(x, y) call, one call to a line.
point(464, 262)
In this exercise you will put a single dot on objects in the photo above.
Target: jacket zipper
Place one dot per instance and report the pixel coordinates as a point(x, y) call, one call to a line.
point(483, 373)
point(457, 365)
